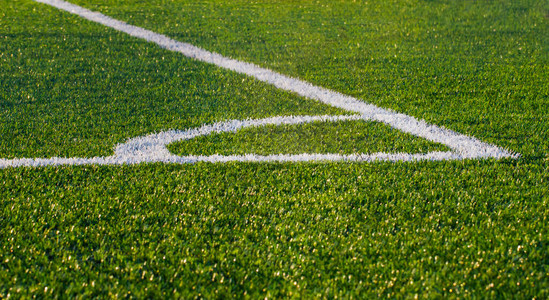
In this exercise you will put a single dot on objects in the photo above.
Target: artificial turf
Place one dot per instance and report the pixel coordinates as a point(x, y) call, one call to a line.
point(341, 137)
point(436, 229)
point(472, 228)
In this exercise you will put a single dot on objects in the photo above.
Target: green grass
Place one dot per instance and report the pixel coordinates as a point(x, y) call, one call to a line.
point(385, 229)
point(343, 137)
point(474, 228)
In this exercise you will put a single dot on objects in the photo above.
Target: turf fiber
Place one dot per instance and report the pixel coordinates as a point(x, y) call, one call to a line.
point(450, 229)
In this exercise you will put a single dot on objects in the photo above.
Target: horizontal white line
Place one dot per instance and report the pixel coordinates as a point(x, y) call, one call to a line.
point(57, 161)
point(304, 157)
point(319, 157)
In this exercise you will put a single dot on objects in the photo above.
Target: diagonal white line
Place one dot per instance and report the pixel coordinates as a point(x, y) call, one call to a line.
point(463, 146)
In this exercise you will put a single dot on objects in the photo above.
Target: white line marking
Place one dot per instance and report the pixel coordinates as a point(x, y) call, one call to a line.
point(152, 148)
point(463, 146)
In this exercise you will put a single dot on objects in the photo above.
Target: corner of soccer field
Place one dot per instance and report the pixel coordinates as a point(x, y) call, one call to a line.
point(274, 149)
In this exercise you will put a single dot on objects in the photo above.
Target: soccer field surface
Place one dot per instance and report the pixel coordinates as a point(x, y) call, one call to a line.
point(315, 211)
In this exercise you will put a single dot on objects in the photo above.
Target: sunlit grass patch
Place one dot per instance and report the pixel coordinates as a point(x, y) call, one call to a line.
point(341, 137)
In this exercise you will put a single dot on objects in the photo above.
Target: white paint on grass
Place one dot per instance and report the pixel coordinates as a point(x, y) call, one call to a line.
point(143, 150)
point(153, 147)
